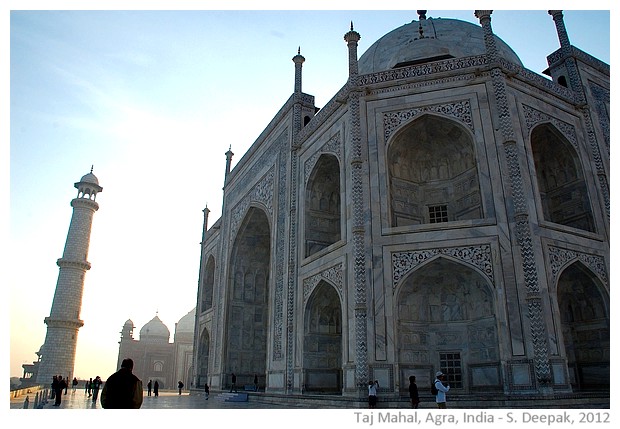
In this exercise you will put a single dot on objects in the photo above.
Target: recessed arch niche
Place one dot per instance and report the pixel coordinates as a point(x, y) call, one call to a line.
point(203, 358)
point(207, 285)
point(433, 176)
point(584, 316)
point(323, 341)
point(248, 310)
point(445, 310)
point(561, 184)
point(322, 205)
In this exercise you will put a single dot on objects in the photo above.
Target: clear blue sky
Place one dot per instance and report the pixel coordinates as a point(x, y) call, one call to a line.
point(153, 100)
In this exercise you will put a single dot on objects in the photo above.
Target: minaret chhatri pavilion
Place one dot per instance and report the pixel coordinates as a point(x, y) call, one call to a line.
point(63, 323)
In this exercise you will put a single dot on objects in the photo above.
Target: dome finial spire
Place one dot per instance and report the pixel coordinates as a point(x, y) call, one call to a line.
point(91, 168)
point(351, 25)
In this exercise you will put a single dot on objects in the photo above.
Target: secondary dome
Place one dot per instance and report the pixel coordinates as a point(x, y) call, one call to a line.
point(186, 324)
point(90, 178)
point(155, 331)
point(443, 39)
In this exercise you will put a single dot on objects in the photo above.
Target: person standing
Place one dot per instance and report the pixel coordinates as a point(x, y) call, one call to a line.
point(60, 386)
point(413, 392)
point(206, 391)
point(96, 385)
point(90, 387)
point(256, 382)
point(74, 384)
point(122, 389)
point(442, 389)
point(180, 386)
point(233, 386)
point(54, 386)
point(372, 393)
point(156, 388)
point(149, 386)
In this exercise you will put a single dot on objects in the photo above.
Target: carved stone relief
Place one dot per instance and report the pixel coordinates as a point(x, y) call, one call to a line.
point(333, 275)
point(459, 110)
point(559, 258)
point(478, 256)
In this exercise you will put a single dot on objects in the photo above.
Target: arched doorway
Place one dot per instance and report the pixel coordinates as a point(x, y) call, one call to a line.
point(203, 359)
point(433, 173)
point(322, 205)
point(446, 321)
point(561, 184)
point(248, 310)
point(207, 285)
point(323, 341)
point(584, 314)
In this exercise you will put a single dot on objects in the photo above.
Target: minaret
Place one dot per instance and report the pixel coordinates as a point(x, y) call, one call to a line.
point(352, 37)
point(229, 156)
point(205, 226)
point(63, 323)
point(298, 60)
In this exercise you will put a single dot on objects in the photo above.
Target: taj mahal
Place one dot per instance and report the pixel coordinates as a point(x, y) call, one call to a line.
point(448, 209)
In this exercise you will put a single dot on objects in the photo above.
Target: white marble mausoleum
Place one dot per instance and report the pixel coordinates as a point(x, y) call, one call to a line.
point(448, 209)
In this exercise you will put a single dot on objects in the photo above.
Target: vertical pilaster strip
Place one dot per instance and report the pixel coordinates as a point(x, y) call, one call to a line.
point(522, 222)
point(358, 219)
point(358, 236)
point(292, 251)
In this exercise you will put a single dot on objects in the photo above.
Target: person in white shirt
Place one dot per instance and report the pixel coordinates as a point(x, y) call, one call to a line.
point(372, 393)
point(442, 388)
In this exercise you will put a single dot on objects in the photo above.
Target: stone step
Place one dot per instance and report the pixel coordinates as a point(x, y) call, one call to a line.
point(231, 397)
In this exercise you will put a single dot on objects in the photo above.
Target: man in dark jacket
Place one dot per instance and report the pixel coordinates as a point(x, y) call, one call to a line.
point(122, 389)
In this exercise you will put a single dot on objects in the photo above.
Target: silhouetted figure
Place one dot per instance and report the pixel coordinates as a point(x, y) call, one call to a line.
point(413, 392)
point(180, 386)
point(206, 391)
point(60, 386)
point(122, 389)
point(233, 386)
point(54, 386)
point(149, 386)
point(156, 388)
point(96, 385)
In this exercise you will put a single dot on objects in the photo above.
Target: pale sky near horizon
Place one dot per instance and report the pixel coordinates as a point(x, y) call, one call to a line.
point(153, 99)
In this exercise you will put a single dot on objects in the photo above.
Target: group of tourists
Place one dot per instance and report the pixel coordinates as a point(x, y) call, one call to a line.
point(439, 388)
point(152, 387)
point(59, 385)
point(121, 390)
point(92, 386)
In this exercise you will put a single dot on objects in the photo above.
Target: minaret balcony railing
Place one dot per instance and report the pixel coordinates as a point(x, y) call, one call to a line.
point(68, 263)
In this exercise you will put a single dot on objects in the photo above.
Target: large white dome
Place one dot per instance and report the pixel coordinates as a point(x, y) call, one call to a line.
point(155, 330)
point(186, 324)
point(442, 39)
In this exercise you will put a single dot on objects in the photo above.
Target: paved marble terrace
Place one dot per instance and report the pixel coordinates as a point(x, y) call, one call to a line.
point(165, 400)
